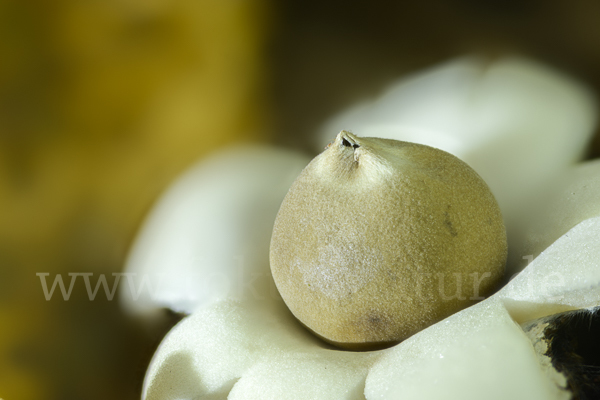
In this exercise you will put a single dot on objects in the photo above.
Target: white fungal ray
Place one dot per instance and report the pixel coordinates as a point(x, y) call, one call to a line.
point(255, 350)
point(478, 352)
point(571, 199)
point(208, 237)
point(565, 276)
point(311, 375)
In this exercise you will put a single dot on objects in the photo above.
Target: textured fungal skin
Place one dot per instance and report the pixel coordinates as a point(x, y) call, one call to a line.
point(378, 239)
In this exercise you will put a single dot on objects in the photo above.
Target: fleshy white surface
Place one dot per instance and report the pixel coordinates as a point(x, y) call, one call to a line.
point(260, 342)
point(573, 197)
point(478, 353)
point(565, 276)
point(311, 375)
point(257, 350)
point(208, 237)
point(517, 123)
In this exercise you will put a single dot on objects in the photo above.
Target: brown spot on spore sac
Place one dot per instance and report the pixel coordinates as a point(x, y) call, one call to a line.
point(374, 320)
point(376, 323)
point(449, 225)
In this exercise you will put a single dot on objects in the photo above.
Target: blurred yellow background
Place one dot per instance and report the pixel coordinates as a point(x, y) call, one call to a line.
point(103, 103)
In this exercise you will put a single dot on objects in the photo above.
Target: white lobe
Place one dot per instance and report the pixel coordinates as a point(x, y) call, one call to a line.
point(208, 237)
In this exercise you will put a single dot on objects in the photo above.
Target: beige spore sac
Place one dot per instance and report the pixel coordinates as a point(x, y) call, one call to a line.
point(378, 239)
